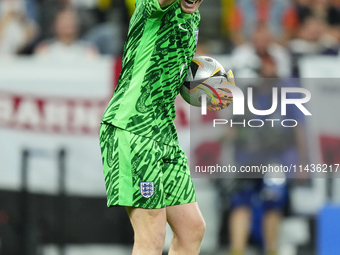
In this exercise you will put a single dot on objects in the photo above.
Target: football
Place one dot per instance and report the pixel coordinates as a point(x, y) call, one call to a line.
point(205, 74)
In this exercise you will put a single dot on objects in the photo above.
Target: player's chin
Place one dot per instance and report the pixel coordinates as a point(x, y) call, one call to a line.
point(190, 7)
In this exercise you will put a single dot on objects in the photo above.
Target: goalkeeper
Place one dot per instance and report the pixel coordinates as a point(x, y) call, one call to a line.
point(145, 169)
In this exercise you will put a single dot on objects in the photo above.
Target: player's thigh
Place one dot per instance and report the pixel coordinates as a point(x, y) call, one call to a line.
point(186, 220)
point(148, 222)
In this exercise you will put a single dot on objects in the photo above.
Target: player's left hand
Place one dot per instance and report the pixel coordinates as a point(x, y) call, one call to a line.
point(225, 94)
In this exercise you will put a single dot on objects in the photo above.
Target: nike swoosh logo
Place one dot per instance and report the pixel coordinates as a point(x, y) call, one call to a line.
point(180, 26)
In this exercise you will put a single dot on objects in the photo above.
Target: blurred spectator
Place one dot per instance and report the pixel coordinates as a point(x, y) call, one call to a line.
point(16, 29)
point(318, 23)
point(107, 38)
point(248, 57)
point(103, 23)
point(130, 4)
point(49, 10)
point(247, 15)
point(66, 44)
point(109, 34)
point(90, 14)
point(227, 9)
point(32, 10)
point(257, 203)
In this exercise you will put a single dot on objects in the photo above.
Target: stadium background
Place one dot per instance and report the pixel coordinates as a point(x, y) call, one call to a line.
point(57, 72)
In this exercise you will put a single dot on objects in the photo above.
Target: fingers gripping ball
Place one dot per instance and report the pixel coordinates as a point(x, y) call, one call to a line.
point(205, 76)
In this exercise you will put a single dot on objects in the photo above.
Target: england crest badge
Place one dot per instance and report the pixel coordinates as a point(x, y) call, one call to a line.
point(147, 189)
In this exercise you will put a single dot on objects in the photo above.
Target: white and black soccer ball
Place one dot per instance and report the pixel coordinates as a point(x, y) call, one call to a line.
point(205, 74)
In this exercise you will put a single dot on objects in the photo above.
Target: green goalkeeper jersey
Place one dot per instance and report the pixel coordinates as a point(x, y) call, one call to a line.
point(160, 46)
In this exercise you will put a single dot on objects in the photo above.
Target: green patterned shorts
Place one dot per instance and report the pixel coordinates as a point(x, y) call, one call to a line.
point(141, 172)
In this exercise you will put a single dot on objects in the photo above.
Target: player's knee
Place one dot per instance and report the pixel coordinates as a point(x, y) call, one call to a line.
point(197, 230)
point(153, 242)
point(158, 241)
point(200, 226)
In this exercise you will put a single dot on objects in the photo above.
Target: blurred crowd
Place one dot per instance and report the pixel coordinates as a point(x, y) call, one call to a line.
point(279, 30)
point(62, 28)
